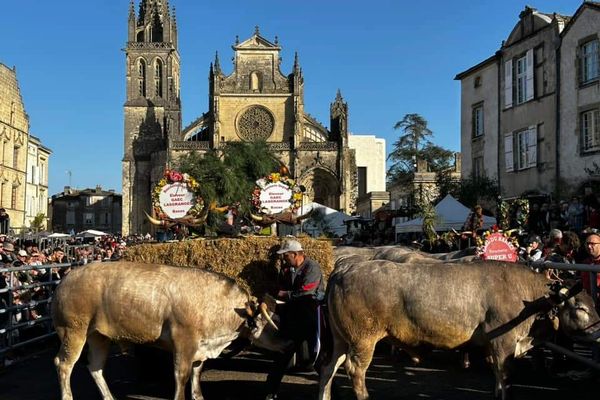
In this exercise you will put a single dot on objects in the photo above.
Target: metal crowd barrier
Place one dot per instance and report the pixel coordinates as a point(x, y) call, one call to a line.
point(593, 270)
point(11, 328)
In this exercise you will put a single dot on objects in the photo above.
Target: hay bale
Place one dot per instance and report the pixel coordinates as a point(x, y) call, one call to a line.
point(252, 261)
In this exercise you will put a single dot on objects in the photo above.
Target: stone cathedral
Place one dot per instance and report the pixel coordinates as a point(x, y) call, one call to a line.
point(256, 101)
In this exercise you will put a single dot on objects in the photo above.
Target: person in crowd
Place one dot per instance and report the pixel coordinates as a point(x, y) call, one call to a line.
point(563, 253)
point(592, 244)
point(564, 215)
point(534, 219)
point(8, 256)
point(545, 218)
point(554, 239)
point(301, 287)
point(4, 222)
point(554, 218)
point(588, 201)
point(4, 258)
point(575, 214)
point(474, 220)
point(593, 221)
point(533, 251)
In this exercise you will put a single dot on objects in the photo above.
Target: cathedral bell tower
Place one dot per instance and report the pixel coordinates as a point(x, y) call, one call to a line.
point(152, 108)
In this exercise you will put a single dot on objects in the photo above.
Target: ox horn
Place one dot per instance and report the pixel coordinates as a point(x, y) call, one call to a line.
point(154, 221)
point(214, 207)
point(256, 217)
point(265, 313)
point(305, 215)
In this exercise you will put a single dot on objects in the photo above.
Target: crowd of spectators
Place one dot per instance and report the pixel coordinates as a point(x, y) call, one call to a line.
point(28, 288)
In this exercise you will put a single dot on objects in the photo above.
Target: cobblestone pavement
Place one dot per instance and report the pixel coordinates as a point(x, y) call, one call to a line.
point(438, 377)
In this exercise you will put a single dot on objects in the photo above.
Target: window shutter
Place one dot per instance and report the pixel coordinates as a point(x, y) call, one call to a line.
point(508, 84)
point(36, 175)
point(596, 132)
point(529, 76)
point(532, 146)
point(508, 152)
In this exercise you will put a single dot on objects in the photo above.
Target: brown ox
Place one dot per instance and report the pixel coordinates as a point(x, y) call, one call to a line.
point(443, 306)
point(192, 312)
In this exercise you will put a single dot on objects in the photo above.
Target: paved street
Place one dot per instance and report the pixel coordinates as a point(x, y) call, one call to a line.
point(439, 377)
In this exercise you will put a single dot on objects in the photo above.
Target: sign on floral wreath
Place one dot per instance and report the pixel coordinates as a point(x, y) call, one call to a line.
point(498, 247)
point(276, 193)
point(176, 196)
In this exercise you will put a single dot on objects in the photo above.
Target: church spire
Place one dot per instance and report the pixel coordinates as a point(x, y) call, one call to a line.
point(217, 63)
point(131, 10)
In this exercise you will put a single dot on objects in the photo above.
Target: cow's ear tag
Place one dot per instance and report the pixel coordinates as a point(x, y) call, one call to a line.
point(523, 346)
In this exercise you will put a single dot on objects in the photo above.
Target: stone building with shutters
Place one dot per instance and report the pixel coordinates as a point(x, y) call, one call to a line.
point(255, 101)
point(14, 136)
point(529, 113)
point(36, 201)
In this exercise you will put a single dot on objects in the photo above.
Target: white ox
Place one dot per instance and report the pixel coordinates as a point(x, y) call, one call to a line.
point(192, 312)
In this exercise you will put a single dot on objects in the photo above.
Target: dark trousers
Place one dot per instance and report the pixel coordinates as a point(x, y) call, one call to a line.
point(299, 324)
point(280, 364)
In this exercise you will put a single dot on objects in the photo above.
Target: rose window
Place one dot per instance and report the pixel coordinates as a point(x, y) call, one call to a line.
point(256, 123)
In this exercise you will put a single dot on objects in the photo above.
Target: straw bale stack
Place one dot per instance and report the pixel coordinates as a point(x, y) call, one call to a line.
point(252, 261)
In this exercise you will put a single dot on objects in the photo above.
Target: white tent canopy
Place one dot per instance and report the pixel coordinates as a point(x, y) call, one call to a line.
point(58, 236)
point(450, 214)
point(332, 219)
point(91, 233)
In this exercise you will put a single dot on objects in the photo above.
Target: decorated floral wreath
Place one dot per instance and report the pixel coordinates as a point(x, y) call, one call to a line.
point(480, 240)
point(276, 177)
point(171, 176)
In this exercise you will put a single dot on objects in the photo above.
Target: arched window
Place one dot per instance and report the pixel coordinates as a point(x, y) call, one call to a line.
point(312, 134)
point(142, 77)
point(255, 83)
point(158, 78)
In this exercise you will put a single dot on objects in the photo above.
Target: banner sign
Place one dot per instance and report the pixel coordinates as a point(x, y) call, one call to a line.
point(176, 199)
point(275, 197)
point(498, 247)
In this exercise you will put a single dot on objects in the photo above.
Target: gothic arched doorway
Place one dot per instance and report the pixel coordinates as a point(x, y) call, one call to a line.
point(322, 187)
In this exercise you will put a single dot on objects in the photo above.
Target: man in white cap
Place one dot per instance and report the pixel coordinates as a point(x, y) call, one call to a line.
point(301, 286)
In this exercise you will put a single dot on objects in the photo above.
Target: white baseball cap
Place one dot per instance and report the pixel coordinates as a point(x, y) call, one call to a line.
point(22, 253)
point(290, 245)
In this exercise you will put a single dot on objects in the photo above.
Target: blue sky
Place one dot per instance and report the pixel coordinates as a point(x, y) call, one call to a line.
point(388, 58)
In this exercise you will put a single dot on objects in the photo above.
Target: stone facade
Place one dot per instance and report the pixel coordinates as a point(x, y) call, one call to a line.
point(479, 119)
point(79, 210)
point(36, 201)
point(580, 99)
point(14, 138)
point(255, 101)
point(547, 138)
point(528, 120)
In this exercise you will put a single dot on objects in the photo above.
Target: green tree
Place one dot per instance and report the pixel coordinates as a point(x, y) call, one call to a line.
point(227, 176)
point(406, 149)
point(475, 188)
point(38, 223)
point(414, 144)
